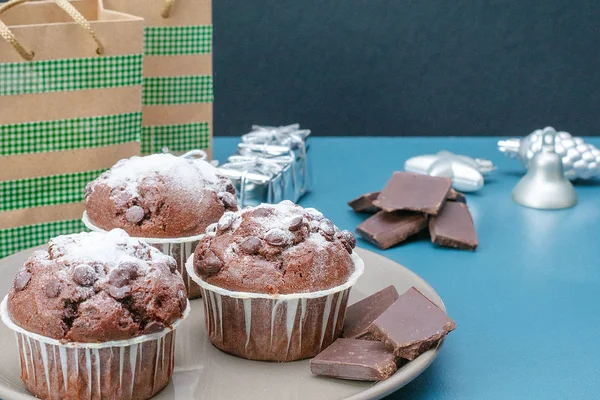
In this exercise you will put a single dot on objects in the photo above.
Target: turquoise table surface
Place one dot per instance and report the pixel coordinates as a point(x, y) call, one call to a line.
point(527, 302)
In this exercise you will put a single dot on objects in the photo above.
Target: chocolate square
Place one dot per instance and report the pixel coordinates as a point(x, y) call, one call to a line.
point(412, 325)
point(353, 359)
point(364, 203)
point(360, 315)
point(453, 227)
point(386, 229)
point(415, 192)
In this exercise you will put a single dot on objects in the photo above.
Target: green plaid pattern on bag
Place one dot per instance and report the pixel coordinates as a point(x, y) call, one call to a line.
point(176, 137)
point(69, 134)
point(24, 237)
point(45, 190)
point(177, 40)
point(70, 74)
point(178, 90)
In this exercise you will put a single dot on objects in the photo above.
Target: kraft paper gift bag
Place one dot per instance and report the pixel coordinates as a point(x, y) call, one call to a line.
point(70, 107)
point(178, 85)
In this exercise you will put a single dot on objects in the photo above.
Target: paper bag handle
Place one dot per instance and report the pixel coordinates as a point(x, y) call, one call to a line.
point(67, 7)
point(166, 12)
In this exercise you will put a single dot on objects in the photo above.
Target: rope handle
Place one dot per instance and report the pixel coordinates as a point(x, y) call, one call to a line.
point(166, 12)
point(63, 4)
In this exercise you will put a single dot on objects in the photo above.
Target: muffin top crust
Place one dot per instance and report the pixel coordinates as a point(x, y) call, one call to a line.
point(275, 249)
point(159, 196)
point(97, 287)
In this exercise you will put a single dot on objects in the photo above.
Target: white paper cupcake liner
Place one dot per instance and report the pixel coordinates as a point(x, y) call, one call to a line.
point(136, 368)
point(178, 248)
point(267, 327)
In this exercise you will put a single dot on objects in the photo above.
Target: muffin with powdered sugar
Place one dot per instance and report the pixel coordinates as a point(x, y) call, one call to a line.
point(159, 196)
point(276, 280)
point(163, 199)
point(96, 305)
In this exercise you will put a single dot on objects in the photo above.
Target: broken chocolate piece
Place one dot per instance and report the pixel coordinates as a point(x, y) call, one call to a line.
point(364, 203)
point(453, 227)
point(387, 229)
point(412, 325)
point(415, 192)
point(357, 360)
point(360, 315)
point(453, 195)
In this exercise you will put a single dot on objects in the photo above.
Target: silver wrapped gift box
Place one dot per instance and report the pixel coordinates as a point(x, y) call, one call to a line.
point(268, 140)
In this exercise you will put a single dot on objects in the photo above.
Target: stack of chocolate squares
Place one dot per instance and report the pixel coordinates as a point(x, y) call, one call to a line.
point(412, 203)
point(380, 333)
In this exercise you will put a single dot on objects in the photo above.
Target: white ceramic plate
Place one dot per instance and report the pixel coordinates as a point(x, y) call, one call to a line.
point(204, 372)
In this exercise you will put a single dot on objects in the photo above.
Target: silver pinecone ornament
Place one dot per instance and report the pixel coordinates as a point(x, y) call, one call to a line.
point(580, 160)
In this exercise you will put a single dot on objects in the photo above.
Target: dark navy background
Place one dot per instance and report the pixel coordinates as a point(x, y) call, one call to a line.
point(410, 67)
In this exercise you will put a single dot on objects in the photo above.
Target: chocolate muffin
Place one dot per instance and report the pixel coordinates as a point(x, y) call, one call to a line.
point(95, 287)
point(275, 281)
point(159, 196)
point(275, 249)
point(94, 315)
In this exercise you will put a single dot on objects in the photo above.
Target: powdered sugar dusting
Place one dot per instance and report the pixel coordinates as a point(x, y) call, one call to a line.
point(111, 249)
point(190, 173)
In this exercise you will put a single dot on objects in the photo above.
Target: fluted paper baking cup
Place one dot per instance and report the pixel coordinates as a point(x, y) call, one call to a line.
point(178, 248)
point(284, 327)
point(136, 368)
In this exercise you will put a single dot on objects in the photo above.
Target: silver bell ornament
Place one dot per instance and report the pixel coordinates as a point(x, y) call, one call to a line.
point(580, 160)
point(545, 185)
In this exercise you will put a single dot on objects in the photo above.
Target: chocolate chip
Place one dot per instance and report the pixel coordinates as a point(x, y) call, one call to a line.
point(327, 227)
point(212, 228)
point(349, 238)
point(209, 264)
point(347, 246)
point(135, 214)
point(261, 212)
point(154, 327)
point(52, 288)
point(21, 280)
point(88, 189)
point(275, 237)
point(172, 264)
point(228, 199)
point(225, 222)
point(118, 292)
point(251, 245)
point(121, 275)
point(84, 275)
point(295, 223)
point(182, 300)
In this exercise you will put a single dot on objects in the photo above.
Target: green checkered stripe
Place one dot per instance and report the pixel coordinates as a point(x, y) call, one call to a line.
point(177, 40)
point(168, 90)
point(70, 74)
point(177, 138)
point(24, 237)
point(69, 134)
point(45, 190)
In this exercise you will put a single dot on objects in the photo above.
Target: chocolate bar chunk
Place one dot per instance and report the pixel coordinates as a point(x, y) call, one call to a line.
point(412, 325)
point(357, 360)
point(386, 229)
point(453, 227)
point(453, 195)
point(360, 315)
point(415, 192)
point(364, 203)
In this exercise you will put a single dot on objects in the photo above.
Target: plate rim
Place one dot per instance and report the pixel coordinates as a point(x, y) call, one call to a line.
point(376, 391)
